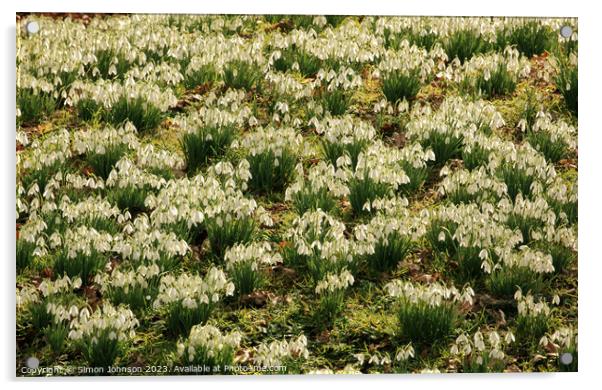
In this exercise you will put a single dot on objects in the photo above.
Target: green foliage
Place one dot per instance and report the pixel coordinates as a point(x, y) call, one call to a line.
point(417, 176)
point(569, 209)
point(388, 253)
point(460, 194)
point(469, 264)
point(34, 106)
point(422, 39)
point(425, 324)
point(212, 358)
point(530, 38)
point(486, 363)
point(567, 84)
point(100, 224)
point(330, 305)
point(440, 236)
point(103, 163)
point(336, 102)
point(463, 44)
point(40, 317)
point(525, 224)
point(573, 365)
point(206, 143)
point(335, 20)
point(466, 257)
point(553, 149)
point(88, 109)
point(105, 59)
point(180, 319)
point(225, 231)
point(313, 264)
point(184, 232)
point(242, 75)
point(364, 189)
point(143, 114)
point(517, 180)
point(474, 157)
point(101, 350)
point(309, 65)
point(42, 176)
point(135, 296)
point(129, 198)
point(245, 276)
point(82, 265)
point(562, 257)
point(504, 282)
point(309, 199)
point(334, 150)
point(531, 108)
point(56, 334)
point(530, 328)
point(271, 173)
point(206, 74)
point(398, 86)
point(24, 253)
point(304, 22)
point(499, 83)
point(444, 146)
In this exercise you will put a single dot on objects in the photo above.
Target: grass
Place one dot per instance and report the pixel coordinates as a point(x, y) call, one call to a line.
point(423, 39)
point(562, 257)
point(56, 335)
point(88, 109)
point(136, 296)
point(101, 350)
point(553, 150)
point(417, 176)
point(530, 328)
point(24, 254)
point(42, 176)
point(527, 226)
point(330, 305)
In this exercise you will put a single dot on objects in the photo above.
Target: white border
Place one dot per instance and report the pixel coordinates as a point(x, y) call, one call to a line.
point(589, 178)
